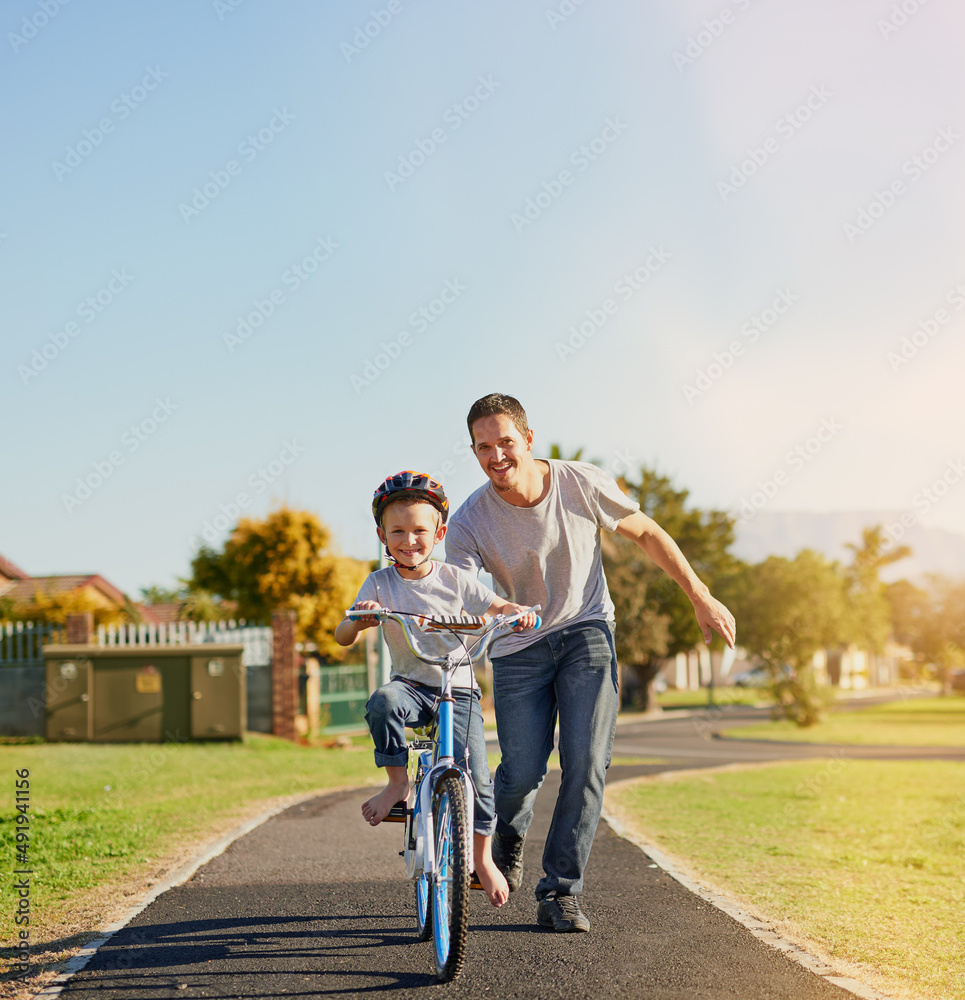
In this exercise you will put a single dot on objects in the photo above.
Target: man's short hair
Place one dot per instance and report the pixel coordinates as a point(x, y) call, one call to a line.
point(495, 404)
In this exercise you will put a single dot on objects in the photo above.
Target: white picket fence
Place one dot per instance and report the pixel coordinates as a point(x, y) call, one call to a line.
point(257, 639)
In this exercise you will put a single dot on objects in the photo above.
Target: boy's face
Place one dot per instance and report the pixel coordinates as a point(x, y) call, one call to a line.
point(411, 531)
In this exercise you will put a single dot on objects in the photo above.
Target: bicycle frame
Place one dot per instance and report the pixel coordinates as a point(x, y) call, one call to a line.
point(442, 763)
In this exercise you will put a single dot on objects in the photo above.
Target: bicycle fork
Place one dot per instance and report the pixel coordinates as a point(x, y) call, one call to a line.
point(420, 847)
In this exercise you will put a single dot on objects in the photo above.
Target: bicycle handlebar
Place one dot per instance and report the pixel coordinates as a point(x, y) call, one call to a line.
point(484, 629)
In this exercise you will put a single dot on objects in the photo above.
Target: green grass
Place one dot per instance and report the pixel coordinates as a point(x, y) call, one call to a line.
point(722, 696)
point(936, 722)
point(103, 814)
point(865, 858)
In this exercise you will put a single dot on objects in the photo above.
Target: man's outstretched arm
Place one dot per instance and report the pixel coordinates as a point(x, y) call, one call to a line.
point(663, 550)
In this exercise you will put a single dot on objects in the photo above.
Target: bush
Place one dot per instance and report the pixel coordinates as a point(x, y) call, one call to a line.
point(798, 696)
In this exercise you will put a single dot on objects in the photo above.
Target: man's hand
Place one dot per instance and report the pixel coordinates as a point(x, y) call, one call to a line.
point(712, 617)
point(526, 622)
point(508, 608)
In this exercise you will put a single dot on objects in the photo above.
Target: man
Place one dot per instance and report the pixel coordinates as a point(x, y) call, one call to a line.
point(535, 526)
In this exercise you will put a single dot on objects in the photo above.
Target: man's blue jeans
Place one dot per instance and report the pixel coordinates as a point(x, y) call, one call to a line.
point(405, 703)
point(572, 674)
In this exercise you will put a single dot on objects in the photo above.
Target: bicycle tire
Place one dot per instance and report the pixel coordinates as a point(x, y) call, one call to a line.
point(450, 885)
point(423, 907)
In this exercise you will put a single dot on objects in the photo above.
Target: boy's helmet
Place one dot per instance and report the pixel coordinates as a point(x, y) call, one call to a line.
point(411, 484)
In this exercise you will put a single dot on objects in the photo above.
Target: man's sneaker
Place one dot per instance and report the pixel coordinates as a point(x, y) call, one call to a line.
point(508, 858)
point(562, 913)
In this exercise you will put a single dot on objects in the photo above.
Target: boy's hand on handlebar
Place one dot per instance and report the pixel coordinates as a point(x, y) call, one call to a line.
point(369, 621)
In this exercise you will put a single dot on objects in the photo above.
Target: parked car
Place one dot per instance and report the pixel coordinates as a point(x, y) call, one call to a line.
point(757, 677)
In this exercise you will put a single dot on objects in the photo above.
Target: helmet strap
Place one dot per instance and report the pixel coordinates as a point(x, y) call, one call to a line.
point(395, 562)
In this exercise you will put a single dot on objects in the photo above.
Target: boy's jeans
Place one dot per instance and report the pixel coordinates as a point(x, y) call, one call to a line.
point(571, 673)
point(405, 703)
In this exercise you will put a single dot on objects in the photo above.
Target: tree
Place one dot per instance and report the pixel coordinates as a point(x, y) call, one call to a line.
point(194, 604)
point(53, 607)
point(654, 616)
point(951, 594)
point(162, 595)
point(643, 635)
point(557, 452)
point(203, 606)
point(931, 621)
point(283, 561)
point(870, 623)
point(788, 609)
point(910, 607)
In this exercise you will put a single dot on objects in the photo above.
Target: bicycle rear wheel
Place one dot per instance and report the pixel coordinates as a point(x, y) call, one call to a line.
point(450, 885)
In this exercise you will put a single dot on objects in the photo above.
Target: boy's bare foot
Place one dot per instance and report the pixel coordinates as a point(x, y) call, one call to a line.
point(493, 881)
point(378, 807)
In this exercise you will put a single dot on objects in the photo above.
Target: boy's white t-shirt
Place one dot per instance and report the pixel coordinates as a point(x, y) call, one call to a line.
point(548, 554)
point(447, 590)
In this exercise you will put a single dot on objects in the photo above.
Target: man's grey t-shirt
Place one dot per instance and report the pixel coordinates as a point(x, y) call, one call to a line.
point(548, 554)
point(447, 590)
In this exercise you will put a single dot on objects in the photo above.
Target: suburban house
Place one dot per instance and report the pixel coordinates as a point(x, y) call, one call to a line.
point(849, 668)
point(9, 574)
point(18, 588)
point(160, 614)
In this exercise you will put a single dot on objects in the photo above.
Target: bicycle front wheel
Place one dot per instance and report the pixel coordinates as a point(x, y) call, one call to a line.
point(423, 907)
point(450, 887)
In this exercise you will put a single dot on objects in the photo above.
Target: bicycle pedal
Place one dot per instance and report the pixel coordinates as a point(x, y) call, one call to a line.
point(474, 882)
point(398, 813)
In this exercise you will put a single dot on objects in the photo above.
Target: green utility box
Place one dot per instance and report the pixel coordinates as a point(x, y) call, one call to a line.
point(145, 694)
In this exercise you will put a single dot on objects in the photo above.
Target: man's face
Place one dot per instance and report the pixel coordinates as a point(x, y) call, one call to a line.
point(410, 531)
point(501, 450)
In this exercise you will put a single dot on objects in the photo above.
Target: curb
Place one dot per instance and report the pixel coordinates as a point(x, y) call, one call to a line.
point(177, 877)
point(761, 930)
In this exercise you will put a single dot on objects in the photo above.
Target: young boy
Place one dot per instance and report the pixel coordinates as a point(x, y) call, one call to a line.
point(410, 512)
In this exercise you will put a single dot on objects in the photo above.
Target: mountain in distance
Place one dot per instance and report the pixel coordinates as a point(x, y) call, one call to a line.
point(785, 533)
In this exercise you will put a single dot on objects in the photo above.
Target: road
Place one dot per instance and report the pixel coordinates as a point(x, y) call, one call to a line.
point(687, 739)
point(314, 903)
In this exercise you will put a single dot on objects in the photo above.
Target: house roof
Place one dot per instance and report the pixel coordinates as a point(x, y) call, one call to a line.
point(24, 589)
point(163, 614)
point(11, 570)
point(160, 613)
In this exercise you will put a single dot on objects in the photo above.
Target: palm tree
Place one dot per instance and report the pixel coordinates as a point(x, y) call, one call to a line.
point(557, 453)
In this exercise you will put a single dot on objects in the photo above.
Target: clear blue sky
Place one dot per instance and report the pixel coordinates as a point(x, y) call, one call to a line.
point(786, 178)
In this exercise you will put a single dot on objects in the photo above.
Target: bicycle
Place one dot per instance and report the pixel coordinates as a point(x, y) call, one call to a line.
point(438, 813)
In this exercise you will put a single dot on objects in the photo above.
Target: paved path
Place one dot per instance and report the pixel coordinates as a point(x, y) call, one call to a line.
point(313, 903)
